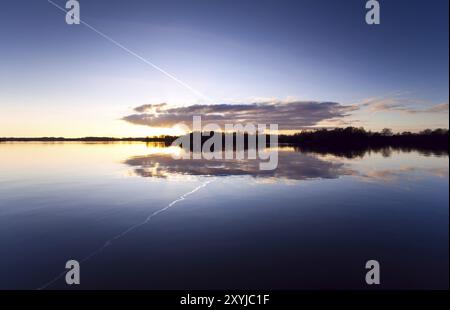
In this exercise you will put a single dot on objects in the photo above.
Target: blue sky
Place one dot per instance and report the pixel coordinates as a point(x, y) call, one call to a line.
point(66, 80)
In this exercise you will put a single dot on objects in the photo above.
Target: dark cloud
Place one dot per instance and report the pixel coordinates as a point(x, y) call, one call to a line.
point(149, 107)
point(288, 115)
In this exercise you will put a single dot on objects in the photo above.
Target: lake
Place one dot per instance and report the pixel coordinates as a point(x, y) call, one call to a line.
point(135, 218)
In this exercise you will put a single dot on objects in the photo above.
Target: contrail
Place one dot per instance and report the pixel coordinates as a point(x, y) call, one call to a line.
point(122, 234)
point(193, 90)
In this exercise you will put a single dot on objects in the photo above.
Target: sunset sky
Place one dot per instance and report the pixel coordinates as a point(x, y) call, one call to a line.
point(301, 64)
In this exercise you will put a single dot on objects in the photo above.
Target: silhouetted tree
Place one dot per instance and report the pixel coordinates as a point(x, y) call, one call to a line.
point(387, 132)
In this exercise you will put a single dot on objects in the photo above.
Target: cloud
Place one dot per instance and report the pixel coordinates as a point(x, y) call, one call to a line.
point(438, 108)
point(288, 115)
point(400, 105)
point(149, 107)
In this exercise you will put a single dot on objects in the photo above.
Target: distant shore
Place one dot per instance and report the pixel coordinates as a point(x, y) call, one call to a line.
point(338, 135)
point(85, 139)
point(339, 140)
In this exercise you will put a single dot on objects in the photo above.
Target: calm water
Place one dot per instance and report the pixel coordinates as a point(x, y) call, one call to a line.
point(138, 219)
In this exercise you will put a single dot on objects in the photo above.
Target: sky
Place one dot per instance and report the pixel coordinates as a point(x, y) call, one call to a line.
point(139, 67)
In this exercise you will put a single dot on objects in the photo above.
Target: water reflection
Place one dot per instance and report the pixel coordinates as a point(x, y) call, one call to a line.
point(361, 152)
point(294, 164)
point(310, 224)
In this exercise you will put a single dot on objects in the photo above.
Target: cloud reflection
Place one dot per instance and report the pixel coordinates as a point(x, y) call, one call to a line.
point(292, 165)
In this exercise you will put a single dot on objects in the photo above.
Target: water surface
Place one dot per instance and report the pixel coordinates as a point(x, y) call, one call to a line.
point(138, 219)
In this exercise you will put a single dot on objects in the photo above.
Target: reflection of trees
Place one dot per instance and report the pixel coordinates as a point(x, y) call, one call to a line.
point(361, 151)
point(386, 152)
